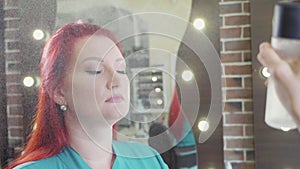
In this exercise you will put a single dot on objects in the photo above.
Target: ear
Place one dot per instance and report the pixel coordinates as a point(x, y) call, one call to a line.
point(58, 96)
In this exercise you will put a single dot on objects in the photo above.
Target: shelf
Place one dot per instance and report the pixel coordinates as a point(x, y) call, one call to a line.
point(144, 90)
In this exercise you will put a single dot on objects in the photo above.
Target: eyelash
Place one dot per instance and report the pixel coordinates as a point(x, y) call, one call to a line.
point(94, 72)
point(99, 71)
point(122, 72)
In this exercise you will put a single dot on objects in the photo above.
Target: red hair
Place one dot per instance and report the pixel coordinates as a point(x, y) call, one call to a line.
point(51, 135)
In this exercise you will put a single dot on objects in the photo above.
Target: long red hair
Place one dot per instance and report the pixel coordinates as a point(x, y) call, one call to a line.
point(50, 135)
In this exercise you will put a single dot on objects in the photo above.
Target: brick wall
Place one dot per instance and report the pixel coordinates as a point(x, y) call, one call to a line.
point(13, 73)
point(236, 60)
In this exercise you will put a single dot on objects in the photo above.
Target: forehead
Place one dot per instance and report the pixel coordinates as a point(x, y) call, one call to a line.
point(94, 46)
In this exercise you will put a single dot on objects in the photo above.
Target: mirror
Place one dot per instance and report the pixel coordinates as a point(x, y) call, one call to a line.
point(150, 48)
point(151, 35)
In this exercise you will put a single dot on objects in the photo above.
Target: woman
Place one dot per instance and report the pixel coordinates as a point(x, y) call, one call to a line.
point(84, 91)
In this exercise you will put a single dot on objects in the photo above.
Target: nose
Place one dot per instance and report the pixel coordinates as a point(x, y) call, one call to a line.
point(113, 79)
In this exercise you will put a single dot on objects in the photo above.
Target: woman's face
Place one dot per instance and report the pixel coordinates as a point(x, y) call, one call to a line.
point(96, 86)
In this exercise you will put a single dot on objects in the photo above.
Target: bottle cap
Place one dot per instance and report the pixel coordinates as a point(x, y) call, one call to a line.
point(286, 23)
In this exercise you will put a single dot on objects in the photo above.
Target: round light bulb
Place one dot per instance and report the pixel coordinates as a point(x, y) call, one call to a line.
point(28, 81)
point(265, 72)
point(157, 90)
point(199, 23)
point(203, 125)
point(187, 75)
point(154, 78)
point(38, 34)
point(159, 101)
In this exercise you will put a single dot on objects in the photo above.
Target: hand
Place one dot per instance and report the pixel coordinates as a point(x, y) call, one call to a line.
point(285, 77)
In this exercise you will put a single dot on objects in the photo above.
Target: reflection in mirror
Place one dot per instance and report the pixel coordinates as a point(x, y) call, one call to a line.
point(151, 56)
point(150, 34)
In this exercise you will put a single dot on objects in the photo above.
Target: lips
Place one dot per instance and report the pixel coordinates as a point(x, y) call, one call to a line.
point(114, 99)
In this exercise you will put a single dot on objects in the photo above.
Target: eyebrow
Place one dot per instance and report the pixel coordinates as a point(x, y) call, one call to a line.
point(93, 59)
point(100, 59)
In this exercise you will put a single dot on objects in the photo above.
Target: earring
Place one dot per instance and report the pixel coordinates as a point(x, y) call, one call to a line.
point(63, 107)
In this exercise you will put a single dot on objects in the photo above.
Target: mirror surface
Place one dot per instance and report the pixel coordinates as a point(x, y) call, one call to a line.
point(150, 33)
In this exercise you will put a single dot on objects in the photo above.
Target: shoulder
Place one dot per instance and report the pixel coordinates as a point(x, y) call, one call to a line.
point(53, 162)
point(47, 163)
point(28, 165)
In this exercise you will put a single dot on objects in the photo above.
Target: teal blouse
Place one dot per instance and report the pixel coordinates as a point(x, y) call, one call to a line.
point(129, 155)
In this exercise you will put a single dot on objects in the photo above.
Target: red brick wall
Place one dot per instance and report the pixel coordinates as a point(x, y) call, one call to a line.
point(236, 60)
point(13, 74)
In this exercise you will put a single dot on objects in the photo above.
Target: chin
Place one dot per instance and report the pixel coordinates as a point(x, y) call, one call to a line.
point(115, 117)
point(113, 120)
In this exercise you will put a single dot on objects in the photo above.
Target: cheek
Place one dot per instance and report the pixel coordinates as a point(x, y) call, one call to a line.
point(82, 92)
point(126, 81)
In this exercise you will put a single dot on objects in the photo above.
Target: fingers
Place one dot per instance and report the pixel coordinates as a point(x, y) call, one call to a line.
point(268, 57)
point(278, 68)
point(261, 55)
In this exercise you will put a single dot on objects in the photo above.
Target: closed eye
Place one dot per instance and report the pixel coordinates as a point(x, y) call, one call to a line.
point(122, 71)
point(93, 71)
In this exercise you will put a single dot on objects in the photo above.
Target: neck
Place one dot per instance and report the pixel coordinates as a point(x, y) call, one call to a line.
point(93, 143)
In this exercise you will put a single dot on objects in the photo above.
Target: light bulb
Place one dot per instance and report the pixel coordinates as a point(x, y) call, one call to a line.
point(28, 81)
point(159, 101)
point(199, 24)
point(157, 90)
point(187, 75)
point(203, 125)
point(265, 73)
point(154, 78)
point(38, 34)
